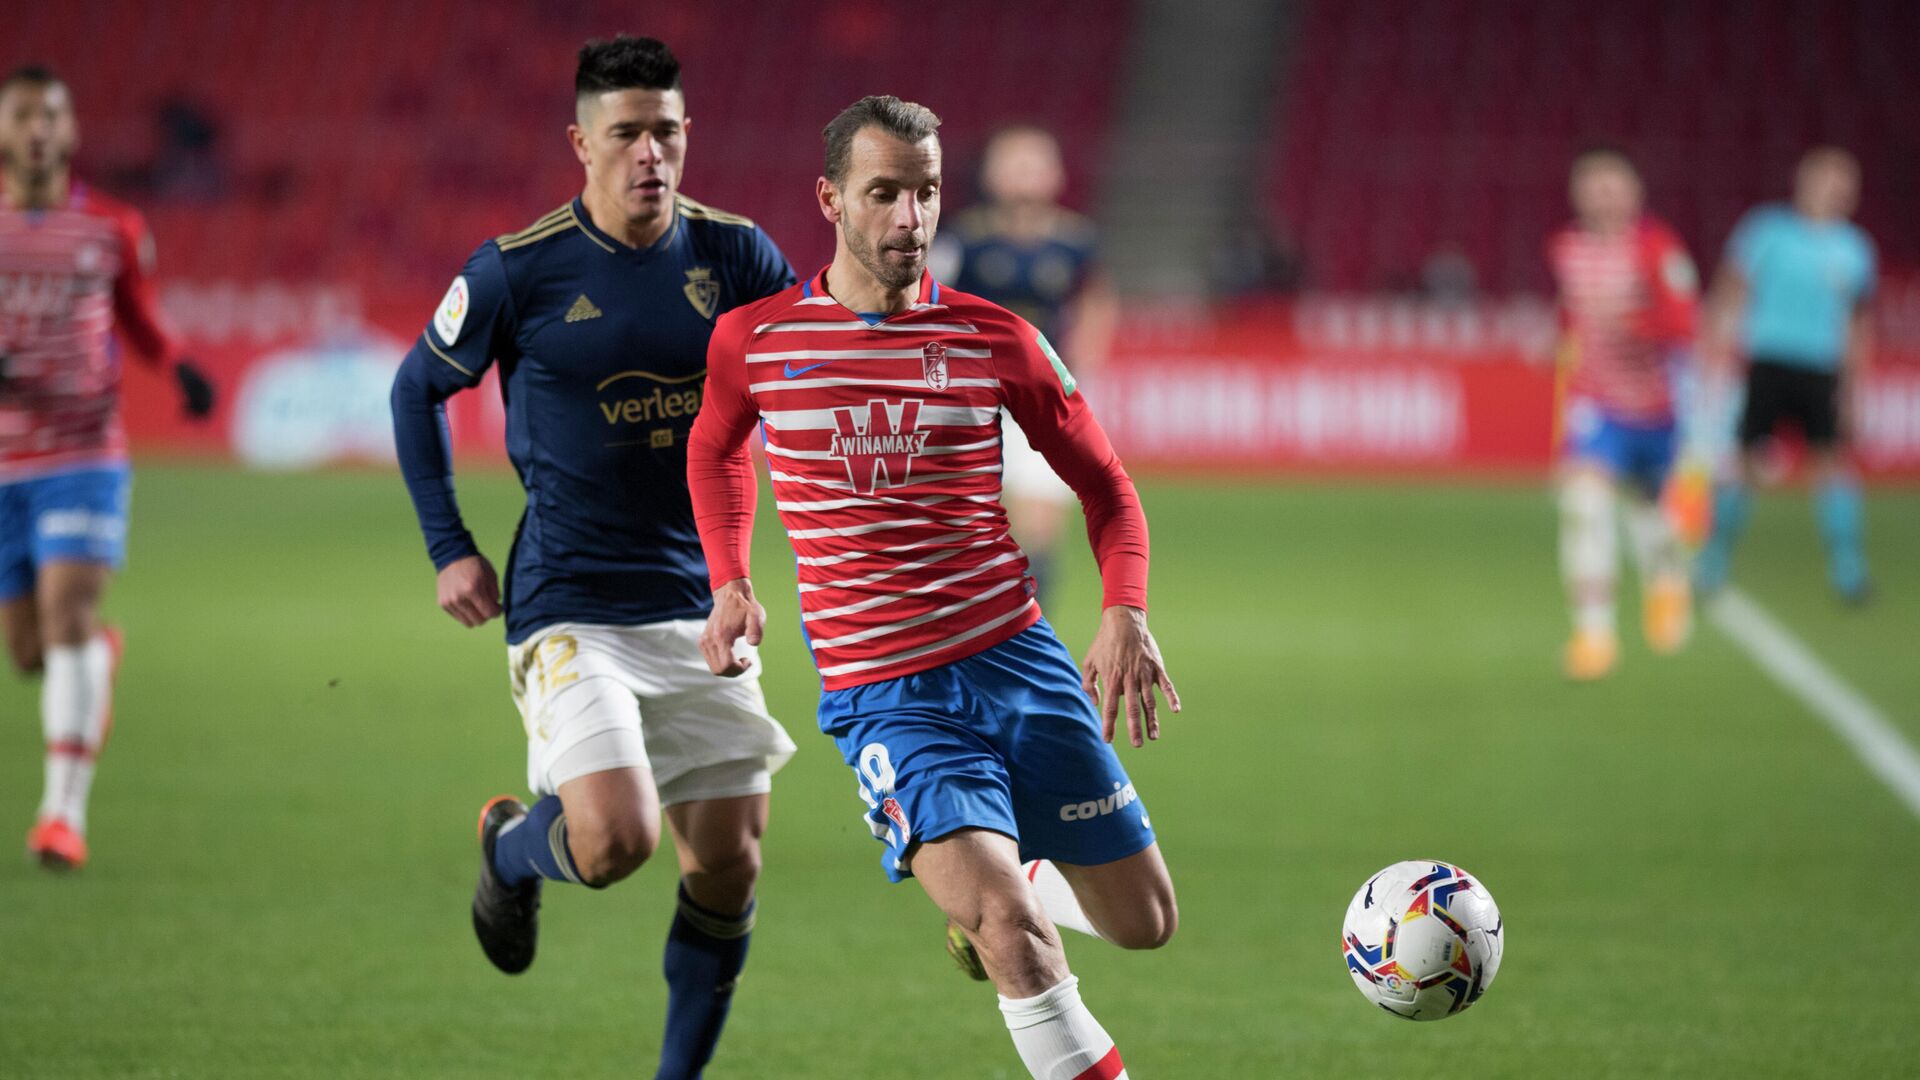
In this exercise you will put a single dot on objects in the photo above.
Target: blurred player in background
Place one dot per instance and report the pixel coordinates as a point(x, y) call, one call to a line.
point(74, 267)
point(978, 744)
point(1024, 251)
point(1791, 297)
point(598, 315)
point(1628, 300)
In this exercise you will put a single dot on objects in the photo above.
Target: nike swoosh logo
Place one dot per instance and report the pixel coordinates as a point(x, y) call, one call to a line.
point(792, 372)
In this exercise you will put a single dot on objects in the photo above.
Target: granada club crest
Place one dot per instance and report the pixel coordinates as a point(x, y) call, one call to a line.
point(933, 363)
point(702, 291)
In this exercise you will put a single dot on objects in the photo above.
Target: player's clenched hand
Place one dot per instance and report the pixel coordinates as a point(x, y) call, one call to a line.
point(736, 614)
point(1124, 662)
point(469, 591)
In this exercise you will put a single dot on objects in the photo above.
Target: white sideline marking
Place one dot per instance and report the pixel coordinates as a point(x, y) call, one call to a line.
point(1858, 722)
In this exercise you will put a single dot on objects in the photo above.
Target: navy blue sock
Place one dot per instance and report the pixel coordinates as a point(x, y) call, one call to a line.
point(536, 848)
point(705, 952)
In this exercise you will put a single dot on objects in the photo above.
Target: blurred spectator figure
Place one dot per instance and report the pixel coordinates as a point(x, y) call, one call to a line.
point(1022, 250)
point(1448, 277)
point(1257, 256)
point(1791, 299)
point(185, 165)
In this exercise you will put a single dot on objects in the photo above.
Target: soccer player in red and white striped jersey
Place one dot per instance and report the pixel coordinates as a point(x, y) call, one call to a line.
point(985, 768)
point(1628, 300)
point(74, 266)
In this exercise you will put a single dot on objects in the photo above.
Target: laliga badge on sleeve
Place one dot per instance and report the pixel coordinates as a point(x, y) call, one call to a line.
point(452, 313)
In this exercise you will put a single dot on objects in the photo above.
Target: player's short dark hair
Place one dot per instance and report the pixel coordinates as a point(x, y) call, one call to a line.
point(30, 75)
point(625, 63)
point(1603, 153)
point(904, 120)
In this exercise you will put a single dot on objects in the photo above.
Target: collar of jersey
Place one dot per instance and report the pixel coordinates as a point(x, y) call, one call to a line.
point(615, 247)
point(929, 294)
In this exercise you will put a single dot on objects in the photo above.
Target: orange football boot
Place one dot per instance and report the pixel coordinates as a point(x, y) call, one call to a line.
point(57, 845)
point(1666, 614)
point(1591, 655)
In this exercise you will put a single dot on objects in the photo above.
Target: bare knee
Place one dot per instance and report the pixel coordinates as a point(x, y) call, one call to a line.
point(1018, 944)
point(726, 878)
point(1150, 925)
point(609, 848)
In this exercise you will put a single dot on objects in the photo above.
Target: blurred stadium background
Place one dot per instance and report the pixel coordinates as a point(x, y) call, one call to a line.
point(1332, 376)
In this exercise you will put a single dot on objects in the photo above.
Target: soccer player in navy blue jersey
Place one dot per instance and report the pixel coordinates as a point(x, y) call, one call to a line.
point(1022, 250)
point(598, 316)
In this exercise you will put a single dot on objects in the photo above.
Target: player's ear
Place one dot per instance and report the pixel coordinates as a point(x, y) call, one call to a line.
point(578, 137)
point(829, 197)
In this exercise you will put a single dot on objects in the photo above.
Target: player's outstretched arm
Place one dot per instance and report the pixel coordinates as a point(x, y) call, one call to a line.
point(736, 615)
point(473, 326)
point(466, 586)
point(723, 488)
point(1124, 666)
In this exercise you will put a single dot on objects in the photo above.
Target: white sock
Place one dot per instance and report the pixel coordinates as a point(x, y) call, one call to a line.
point(1589, 550)
point(1656, 548)
point(75, 693)
point(1057, 898)
point(1059, 1039)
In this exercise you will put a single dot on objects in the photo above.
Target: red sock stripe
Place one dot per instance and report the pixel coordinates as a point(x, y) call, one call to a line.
point(1106, 1068)
point(71, 748)
point(1033, 872)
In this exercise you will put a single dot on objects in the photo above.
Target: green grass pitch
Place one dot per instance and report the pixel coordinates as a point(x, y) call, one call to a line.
point(1698, 880)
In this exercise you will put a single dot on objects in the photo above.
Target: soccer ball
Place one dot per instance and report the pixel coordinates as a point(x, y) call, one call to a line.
point(1422, 940)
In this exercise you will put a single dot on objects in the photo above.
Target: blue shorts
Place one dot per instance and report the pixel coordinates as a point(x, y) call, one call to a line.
point(1639, 452)
point(78, 516)
point(1003, 740)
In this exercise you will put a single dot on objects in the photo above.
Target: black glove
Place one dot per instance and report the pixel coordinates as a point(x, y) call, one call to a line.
point(195, 390)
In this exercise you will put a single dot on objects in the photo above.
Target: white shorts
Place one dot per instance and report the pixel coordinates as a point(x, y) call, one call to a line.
point(597, 697)
point(1024, 473)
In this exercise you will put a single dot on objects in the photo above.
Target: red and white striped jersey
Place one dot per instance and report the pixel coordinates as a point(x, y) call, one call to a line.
point(1626, 301)
point(883, 442)
point(67, 275)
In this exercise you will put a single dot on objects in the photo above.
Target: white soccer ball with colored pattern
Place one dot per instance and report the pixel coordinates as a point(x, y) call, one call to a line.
point(1422, 940)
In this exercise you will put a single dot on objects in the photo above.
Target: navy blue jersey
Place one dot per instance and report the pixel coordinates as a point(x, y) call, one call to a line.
point(602, 351)
point(1035, 278)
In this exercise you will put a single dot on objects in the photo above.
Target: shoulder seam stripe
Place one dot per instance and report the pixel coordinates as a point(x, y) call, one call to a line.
point(574, 219)
point(703, 212)
point(545, 220)
point(552, 230)
point(436, 351)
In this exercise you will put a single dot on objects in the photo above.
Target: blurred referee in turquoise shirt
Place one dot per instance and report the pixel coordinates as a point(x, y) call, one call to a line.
point(1791, 297)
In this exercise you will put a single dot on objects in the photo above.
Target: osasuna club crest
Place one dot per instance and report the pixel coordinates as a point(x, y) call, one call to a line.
point(933, 363)
point(702, 291)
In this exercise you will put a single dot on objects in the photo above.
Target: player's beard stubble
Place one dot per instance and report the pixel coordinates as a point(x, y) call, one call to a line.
point(890, 273)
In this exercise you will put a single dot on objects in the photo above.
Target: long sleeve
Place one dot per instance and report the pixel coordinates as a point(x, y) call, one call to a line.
point(472, 327)
point(425, 449)
point(136, 311)
point(719, 469)
point(1045, 402)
